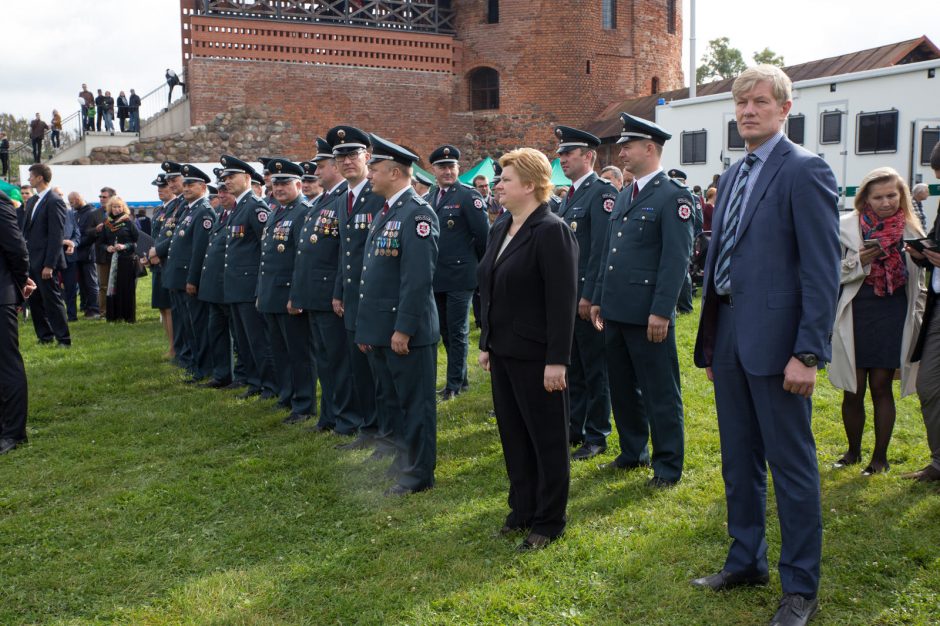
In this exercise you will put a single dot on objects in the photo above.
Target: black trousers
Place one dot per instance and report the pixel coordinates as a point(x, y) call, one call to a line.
point(5, 163)
point(220, 340)
point(88, 285)
point(533, 428)
point(37, 149)
point(13, 388)
point(47, 308)
point(253, 343)
point(364, 389)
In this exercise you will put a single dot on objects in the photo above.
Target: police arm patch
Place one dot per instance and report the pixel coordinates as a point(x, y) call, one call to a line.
point(478, 203)
point(609, 200)
point(207, 223)
point(262, 216)
point(684, 209)
point(423, 228)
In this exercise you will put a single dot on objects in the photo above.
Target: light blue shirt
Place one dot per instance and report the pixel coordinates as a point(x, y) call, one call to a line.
point(762, 153)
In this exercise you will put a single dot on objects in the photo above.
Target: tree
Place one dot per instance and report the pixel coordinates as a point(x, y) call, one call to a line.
point(720, 61)
point(769, 57)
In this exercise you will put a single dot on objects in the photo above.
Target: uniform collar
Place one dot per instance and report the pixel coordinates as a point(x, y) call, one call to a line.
point(641, 182)
point(358, 188)
point(576, 184)
point(391, 201)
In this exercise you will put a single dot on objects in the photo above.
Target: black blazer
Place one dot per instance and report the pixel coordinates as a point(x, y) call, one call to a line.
point(44, 232)
point(529, 295)
point(931, 305)
point(14, 261)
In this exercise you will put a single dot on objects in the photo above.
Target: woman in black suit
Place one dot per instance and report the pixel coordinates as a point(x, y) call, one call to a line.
point(528, 292)
point(120, 234)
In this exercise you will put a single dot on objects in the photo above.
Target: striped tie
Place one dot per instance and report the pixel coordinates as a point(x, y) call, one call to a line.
point(730, 229)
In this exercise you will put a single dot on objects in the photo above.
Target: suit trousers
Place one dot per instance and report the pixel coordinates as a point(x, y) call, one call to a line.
point(88, 286)
point(760, 424)
point(533, 429)
point(588, 389)
point(47, 308)
point(337, 404)
point(408, 383)
point(928, 384)
point(197, 313)
point(293, 361)
point(13, 386)
point(183, 331)
point(104, 270)
point(647, 397)
point(254, 347)
point(70, 291)
point(364, 388)
point(453, 311)
point(220, 340)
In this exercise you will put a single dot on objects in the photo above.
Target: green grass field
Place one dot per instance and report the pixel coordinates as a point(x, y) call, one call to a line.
point(141, 500)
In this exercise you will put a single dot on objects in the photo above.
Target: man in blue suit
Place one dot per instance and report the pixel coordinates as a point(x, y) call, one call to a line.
point(44, 231)
point(768, 306)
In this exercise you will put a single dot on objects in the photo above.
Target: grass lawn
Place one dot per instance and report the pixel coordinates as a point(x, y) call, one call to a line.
point(141, 500)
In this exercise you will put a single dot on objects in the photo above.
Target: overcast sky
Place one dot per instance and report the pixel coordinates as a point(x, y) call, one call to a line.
point(51, 46)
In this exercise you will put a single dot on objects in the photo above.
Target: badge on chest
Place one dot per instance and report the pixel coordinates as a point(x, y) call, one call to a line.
point(388, 242)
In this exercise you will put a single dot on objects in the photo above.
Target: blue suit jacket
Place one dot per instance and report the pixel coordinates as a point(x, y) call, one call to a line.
point(785, 265)
point(44, 232)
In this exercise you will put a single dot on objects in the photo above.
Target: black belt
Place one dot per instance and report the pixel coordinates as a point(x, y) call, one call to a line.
point(726, 299)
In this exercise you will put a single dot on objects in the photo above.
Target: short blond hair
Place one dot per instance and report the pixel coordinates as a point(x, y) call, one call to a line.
point(780, 84)
point(881, 175)
point(118, 202)
point(533, 168)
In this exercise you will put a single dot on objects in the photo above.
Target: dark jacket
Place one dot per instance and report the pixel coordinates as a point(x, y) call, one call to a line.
point(317, 265)
point(529, 295)
point(461, 212)
point(14, 260)
point(133, 103)
point(122, 112)
point(124, 232)
point(88, 218)
point(931, 297)
point(73, 234)
point(44, 232)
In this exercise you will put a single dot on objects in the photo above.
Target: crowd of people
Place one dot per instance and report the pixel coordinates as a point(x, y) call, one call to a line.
point(103, 108)
point(347, 270)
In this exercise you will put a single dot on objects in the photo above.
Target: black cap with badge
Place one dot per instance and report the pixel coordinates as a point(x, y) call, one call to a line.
point(571, 138)
point(346, 139)
point(310, 170)
point(172, 168)
point(638, 128)
point(159, 181)
point(385, 150)
point(192, 174)
point(284, 169)
point(677, 174)
point(444, 154)
point(324, 150)
point(234, 165)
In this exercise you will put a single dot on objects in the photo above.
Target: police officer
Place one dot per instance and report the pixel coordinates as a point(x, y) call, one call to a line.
point(310, 182)
point(240, 277)
point(211, 291)
point(290, 335)
point(648, 246)
point(461, 212)
point(268, 196)
point(184, 264)
point(586, 209)
point(176, 211)
point(357, 209)
point(160, 295)
point(397, 320)
point(685, 295)
point(312, 287)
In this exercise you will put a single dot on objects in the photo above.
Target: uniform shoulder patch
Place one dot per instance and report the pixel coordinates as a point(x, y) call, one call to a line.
point(478, 203)
point(684, 208)
point(423, 228)
point(421, 217)
point(207, 223)
point(610, 199)
point(262, 215)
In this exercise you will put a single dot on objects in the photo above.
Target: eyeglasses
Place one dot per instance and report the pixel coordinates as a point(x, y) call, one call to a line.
point(349, 156)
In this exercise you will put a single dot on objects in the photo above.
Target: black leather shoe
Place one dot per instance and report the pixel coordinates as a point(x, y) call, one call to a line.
point(587, 451)
point(215, 383)
point(795, 610)
point(724, 580)
point(6, 445)
point(397, 491)
point(295, 418)
point(626, 466)
point(464, 386)
point(248, 394)
point(236, 384)
point(380, 454)
point(535, 541)
point(268, 395)
point(320, 428)
point(660, 483)
point(359, 443)
point(446, 394)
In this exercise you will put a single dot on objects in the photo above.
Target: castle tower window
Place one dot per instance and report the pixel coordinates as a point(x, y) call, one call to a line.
point(484, 89)
point(609, 14)
point(671, 16)
point(492, 12)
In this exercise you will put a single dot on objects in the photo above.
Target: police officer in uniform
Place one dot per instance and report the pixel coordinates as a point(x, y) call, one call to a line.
point(315, 272)
point(290, 335)
point(310, 182)
point(586, 209)
point(357, 209)
point(461, 212)
point(240, 277)
point(397, 320)
point(648, 245)
point(685, 295)
point(175, 209)
point(211, 291)
point(160, 295)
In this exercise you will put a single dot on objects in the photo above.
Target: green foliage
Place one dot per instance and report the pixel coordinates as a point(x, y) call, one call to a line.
point(722, 61)
point(769, 57)
point(141, 500)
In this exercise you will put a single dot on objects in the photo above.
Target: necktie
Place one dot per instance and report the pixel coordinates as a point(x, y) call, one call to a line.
point(384, 210)
point(440, 196)
point(635, 192)
point(224, 216)
point(349, 204)
point(730, 227)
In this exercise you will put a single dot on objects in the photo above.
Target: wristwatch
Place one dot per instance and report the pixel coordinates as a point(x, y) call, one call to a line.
point(807, 358)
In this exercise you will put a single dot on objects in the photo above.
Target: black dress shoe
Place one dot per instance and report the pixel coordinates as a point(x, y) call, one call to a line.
point(215, 383)
point(295, 418)
point(587, 451)
point(927, 475)
point(624, 465)
point(320, 428)
point(6, 445)
point(250, 393)
point(508, 530)
point(267, 395)
point(795, 610)
point(446, 394)
point(236, 384)
point(380, 454)
point(727, 580)
point(397, 491)
point(535, 541)
point(359, 443)
point(661, 483)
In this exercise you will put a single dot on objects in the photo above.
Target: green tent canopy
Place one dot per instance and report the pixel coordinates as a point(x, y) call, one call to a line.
point(11, 190)
point(484, 167)
point(558, 175)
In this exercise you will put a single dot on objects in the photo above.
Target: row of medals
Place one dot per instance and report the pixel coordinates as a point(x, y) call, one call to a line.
point(327, 225)
point(387, 244)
